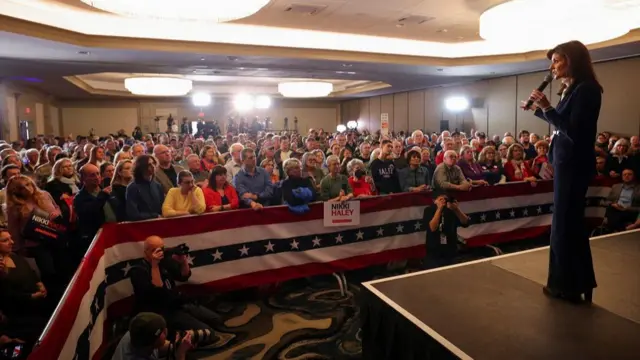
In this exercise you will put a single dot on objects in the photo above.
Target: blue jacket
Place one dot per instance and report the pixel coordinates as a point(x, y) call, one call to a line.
point(144, 200)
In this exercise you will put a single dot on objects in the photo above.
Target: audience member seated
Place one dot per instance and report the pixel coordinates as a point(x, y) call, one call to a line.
point(448, 176)
point(192, 163)
point(253, 183)
point(447, 144)
point(601, 167)
point(154, 288)
point(312, 168)
point(91, 204)
point(415, 177)
point(335, 186)
point(618, 159)
point(361, 184)
point(491, 166)
point(540, 165)
point(123, 174)
point(23, 199)
point(166, 173)
point(235, 164)
point(144, 196)
point(185, 199)
point(384, 171)
point(148, 338)
point(219, 194)
point(516, 168)
point(269, 166)
point(297, 191)
point(470, 169)
point(43, 172)
point(24, 297)
point(8, 172)
point(624, 200)
point(106, 173)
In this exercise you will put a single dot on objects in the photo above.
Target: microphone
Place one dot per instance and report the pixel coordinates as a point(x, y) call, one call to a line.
point(545, 83)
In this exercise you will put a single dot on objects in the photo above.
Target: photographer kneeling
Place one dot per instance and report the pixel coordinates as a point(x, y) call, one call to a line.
point(154, 286)
point(442, 219)
point(147, 339)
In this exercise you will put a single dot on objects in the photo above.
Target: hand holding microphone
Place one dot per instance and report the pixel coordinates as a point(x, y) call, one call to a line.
point(538, 99)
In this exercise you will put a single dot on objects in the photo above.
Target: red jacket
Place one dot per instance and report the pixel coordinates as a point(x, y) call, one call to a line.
point(212, 197)
point(360, 187)
point(510, 171)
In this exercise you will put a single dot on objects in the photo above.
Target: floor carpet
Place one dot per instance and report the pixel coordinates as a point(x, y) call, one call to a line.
point(305, 318)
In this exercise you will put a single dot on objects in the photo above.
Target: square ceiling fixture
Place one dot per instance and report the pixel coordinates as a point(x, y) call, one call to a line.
point(415, 20)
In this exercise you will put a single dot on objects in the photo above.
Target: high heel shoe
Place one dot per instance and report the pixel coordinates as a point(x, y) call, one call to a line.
point(572, 298)
point(588, 296)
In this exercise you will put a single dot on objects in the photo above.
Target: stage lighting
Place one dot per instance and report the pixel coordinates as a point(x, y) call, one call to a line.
point(352, 124)
point(263, 102)
point(244, 102)
point(201, 99)
point(341, 128)
point(456, 103)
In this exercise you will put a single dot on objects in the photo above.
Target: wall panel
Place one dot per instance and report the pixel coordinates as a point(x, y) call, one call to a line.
point(375, 104)
point(400, 112)
point(416, 110)
point(525, 119)
point(502, 103)
point(104, 121)
point(364, 117)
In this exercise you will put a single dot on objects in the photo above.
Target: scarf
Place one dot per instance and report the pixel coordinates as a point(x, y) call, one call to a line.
point(71, 182)
point(518, 166)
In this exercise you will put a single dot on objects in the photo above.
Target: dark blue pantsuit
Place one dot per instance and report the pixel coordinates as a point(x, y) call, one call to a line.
point(573, 157)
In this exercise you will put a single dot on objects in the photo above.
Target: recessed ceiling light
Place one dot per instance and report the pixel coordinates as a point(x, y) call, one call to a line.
point(442, 30)
point(202, 59)
point(232, 58)
point(84, 53)
point(241, 68)
point(460, 38)
point(351, 72)
point(440, 69)
point(347, 65)
point(399, 25)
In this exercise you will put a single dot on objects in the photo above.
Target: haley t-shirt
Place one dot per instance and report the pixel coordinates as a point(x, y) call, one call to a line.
point(385, 176)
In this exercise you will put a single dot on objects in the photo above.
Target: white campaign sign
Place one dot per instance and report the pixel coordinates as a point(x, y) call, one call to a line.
point(345, 213)
point(384, 124)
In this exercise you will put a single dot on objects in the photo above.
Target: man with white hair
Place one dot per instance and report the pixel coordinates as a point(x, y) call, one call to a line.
point(234, 165)
point(448, 175)
point(418, 138)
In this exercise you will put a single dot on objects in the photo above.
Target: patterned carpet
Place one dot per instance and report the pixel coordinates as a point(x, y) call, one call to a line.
point(300, 320)
point(306, 318)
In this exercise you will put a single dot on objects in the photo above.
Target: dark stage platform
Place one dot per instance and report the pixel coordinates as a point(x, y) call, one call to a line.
point(494, 309)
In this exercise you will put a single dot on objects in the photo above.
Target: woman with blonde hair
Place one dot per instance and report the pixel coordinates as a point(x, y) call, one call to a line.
point(516, 168)
point(22, 198)
point(122, 176)
point(491, 165)
point(62, 186)
point(619, 158)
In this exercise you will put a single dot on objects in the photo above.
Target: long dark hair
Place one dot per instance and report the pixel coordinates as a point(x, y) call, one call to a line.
point(580, 67)
point(217, 170)
point(140, 167)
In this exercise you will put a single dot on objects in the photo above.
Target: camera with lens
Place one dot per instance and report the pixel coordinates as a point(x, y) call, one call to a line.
point(181, 249)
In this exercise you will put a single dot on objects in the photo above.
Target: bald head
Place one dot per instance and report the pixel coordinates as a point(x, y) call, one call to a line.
point(153, 242)
point(90, 177)
point(163, 154)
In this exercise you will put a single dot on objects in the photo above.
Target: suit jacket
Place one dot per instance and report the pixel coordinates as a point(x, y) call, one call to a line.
point(576, 120)
point(164, 180)
point(616, 190)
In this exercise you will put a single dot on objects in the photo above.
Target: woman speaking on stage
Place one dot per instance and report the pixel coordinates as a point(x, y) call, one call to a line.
point(571, 275)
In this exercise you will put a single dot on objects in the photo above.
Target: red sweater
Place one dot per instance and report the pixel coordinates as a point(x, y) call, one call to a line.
point(510, 171)
point(212, 197)
point(360, 187)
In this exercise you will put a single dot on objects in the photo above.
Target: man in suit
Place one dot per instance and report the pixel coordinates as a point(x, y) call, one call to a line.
point(166, 173)
point(624, 202)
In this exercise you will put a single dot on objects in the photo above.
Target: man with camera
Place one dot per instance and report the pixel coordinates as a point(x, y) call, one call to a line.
point(154, 286)
point(147, 339)
point(441, 220)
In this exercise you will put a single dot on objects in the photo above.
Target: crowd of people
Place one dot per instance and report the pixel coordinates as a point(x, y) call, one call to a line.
point(79, 183)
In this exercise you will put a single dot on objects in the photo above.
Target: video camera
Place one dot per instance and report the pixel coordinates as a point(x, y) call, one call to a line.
point(181, 249)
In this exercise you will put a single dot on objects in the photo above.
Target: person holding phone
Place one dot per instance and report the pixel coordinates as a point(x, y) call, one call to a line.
point(441, 221)
point(571, 274)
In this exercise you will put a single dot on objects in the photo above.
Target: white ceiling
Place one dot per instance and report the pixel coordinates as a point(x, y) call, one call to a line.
point(367, 26)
